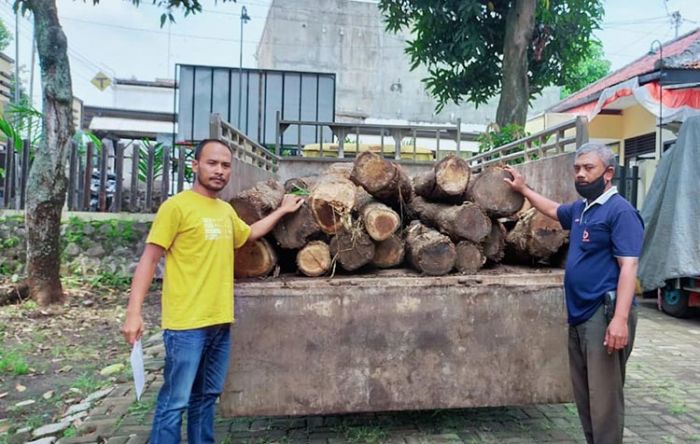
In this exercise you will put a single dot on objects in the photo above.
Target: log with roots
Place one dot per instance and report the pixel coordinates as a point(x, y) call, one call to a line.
point(465, 221)
point(389, 253)
point(534, 237)
point(447, 181)
point(331, 202)
point(314, 259)
point(384, 180)
point(257, 202)
point(294, 230)
point(469, 257)
point(493, 194)
point(494, 244)
point(429, 251)
point(352, 248)
point(254, 259)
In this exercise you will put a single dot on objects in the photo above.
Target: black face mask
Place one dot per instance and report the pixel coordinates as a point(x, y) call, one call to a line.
point(592, 190)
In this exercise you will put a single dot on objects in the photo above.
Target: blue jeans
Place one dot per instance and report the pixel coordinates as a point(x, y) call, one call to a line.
point(196, 362)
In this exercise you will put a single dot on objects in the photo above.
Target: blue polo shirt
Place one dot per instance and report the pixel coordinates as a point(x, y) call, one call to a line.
point(601, 232)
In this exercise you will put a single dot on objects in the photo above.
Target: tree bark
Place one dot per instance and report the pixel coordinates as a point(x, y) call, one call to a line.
point(314, 259)
point(495, 242)
point(256, 259)
point(465, 221)
point(493, 194)
point(534, 237)
point(428, 251)
point(352, 248)
point(332, 201)
point(469, 258)
point(384, 180)
point(255, 203)
point(295, 230)
point(389, 253)
point(46, 186)
point(515, 91)
point(447, 181)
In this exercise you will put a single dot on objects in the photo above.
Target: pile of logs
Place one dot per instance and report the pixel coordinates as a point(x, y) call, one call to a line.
point(370, 214)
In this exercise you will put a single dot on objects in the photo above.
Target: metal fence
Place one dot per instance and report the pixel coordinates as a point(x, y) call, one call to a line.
point(105, 177)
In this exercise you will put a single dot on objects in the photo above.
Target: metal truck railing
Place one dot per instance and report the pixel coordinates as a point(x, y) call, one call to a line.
point(395, 133)
point(243, 147)
point(551, 141)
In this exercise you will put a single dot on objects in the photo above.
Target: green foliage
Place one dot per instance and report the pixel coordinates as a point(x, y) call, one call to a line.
point(461, 43)
point(87, 383)
point(298, 191)
point(5, 36)
point(144, 149)
point(70, 432)
point(494, 136)
point(588, 71)
point(12, 363)
point(108, 279)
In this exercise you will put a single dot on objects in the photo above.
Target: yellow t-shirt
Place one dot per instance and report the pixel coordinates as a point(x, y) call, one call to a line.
point(199, 235)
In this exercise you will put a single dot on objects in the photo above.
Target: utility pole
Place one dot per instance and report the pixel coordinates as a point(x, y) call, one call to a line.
point(676, 20)
point(245, 18)
point(16, 98)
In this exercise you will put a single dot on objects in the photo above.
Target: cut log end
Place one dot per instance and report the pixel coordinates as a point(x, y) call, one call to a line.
point(429, 251)
point(452, 175)
point(494, 195)
point(314, 259)
point(469, 258)
point(380, 221)
point(352, 248)
point(256, 259)
point(389, 253)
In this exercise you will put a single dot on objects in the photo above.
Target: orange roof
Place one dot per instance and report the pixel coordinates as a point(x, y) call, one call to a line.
point(642, 65)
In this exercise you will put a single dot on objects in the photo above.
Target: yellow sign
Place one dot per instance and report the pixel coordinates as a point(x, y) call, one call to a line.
point(101, 81)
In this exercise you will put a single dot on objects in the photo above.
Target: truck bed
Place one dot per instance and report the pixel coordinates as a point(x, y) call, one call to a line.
point(396, 340)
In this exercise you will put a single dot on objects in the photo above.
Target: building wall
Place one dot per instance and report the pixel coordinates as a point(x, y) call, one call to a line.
point(373, 72)
point(143, 98)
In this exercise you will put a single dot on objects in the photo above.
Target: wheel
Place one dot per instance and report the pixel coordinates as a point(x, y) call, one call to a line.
point(674, 301)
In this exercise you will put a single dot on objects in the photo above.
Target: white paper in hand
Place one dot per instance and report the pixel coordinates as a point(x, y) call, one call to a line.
point(137, 368)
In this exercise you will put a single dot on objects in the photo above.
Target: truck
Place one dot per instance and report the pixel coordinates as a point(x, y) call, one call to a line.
point(670, 263)
point(396, 340)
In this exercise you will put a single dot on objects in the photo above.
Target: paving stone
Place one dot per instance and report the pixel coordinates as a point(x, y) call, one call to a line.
point(76, 408)
point(98, 394)
point(47, 440)
point(50, 429)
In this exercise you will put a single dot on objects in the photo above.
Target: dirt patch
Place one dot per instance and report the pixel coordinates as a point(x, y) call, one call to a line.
point(51, 357)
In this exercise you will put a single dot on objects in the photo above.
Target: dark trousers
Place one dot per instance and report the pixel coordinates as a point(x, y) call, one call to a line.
point(598, 378)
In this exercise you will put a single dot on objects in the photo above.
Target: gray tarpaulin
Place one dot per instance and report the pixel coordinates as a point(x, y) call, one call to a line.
point(671, 213)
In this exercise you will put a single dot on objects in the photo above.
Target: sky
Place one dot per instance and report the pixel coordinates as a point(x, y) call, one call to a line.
point(124, 41)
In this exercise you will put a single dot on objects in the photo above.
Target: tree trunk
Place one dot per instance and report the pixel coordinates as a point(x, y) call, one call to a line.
point(447, 181)
point(352, 248)
point(534, 237)
point(314, 259)
point(493, 194)
point(389, 253)
point(495, 242)
point(384, 180)
point(256, 259)
point(332, 201)
point(515, 91)
point(429, 251)
point(469, 258)
point(255, 203)
point(46, 187)
point(466, 221)
point(294, 230)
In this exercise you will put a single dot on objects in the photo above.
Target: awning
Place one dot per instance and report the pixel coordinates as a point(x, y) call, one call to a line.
point(677, 104)
point(124, 126)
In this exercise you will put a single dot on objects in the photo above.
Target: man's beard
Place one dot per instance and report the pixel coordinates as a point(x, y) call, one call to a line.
point(210, 186)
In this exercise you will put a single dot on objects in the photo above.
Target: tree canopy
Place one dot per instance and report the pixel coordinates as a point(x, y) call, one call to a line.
point(588, 70)
point(463, 43)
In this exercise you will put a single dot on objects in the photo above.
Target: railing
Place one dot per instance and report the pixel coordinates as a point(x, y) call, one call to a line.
point(243, 148)
point(109, 177)
point(397, 133)
point(548, 142)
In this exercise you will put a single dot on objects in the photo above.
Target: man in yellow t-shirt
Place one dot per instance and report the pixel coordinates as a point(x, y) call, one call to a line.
point(197, 233)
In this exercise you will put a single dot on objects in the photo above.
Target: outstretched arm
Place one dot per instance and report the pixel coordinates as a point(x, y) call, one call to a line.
point(545, 206)
point(290, 204)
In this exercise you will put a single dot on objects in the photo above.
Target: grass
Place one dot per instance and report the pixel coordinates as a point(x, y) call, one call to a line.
point(140, 409)
point(362, 434)
point(86, 383)
point(12, 363)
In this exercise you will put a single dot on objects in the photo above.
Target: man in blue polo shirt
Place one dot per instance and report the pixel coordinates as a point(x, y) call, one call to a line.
point(605, 243)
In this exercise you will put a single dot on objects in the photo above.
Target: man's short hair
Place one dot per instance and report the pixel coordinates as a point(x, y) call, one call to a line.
point(604, 153)
point(202, 143)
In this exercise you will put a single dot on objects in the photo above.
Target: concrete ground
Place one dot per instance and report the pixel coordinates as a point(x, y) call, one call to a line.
point(662, 399)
